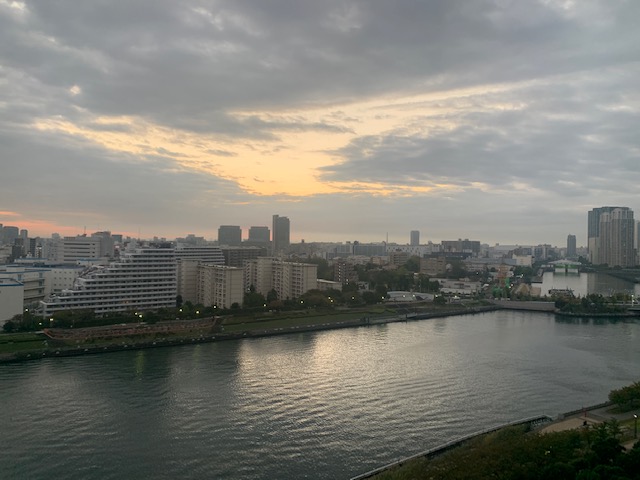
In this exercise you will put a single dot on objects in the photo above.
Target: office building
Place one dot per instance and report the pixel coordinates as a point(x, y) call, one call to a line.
point(415, 238)
point(610, 232)
point(75, 249)
point(259, 235)
point(107, 244)
point(236, 256)
point(461, 246)
point(280, 235)
point(9, 234)
point(229, 235)
point(571, 246)
point(144, 278)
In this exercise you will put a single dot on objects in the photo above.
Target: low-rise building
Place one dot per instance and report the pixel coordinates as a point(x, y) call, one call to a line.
point(11, 298)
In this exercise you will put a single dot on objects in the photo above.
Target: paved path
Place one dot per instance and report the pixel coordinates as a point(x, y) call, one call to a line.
point(594, 417)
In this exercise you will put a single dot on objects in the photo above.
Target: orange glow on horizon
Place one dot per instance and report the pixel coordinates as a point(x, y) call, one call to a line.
point(293, 146)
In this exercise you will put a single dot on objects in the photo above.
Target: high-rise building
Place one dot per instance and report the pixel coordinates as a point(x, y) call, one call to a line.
point(9, 234)
point(280, 234)
point(610, 232)
point(229, 235)
point(259, 235)
point(571, 246)
point(415, 238)
point(144, 278)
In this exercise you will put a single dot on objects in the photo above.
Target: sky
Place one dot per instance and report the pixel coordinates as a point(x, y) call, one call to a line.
point(502, 121)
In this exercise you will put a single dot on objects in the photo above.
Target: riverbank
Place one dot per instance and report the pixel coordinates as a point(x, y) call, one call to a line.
point(577, 420)
point(258, 328)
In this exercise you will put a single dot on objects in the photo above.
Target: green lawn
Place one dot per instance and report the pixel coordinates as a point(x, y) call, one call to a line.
point(287, 320)
point(21, 342)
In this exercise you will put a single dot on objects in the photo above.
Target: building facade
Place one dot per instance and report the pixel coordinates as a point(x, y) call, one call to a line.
point(144, 278)
point(73, 249)
point(610, 232)
point(281, 231)
point(415, 238)
point(11, 298)
point(229, 235)
point(188, 259)
point(220, 286)
point(289, 279)
point(237, 256)
point(571, 246)
point(259, 235)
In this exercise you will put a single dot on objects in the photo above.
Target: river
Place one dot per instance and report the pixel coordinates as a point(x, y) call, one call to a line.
point(321, 405)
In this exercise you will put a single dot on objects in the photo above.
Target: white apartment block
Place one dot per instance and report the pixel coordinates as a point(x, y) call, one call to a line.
point(188, 259)
point(289, 279)
point(74, 249)
point(36, 282)
point(144, 278)
point(62, 278)
point(220, 285)
point(11, 298)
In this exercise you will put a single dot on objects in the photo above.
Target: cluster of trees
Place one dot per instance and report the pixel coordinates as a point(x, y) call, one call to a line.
point(626, 398)
point(592, 303)
point(512, 453)
point(405, 277)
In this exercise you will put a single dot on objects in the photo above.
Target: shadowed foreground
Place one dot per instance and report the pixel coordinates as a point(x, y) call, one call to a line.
point(592, 453)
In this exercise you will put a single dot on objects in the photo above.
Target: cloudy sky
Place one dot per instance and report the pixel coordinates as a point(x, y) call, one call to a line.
point(495, 120)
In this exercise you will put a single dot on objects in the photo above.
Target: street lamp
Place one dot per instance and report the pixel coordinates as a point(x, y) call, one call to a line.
point(635, 426)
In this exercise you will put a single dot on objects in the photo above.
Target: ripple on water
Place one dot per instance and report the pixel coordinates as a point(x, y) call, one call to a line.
point(318, 405)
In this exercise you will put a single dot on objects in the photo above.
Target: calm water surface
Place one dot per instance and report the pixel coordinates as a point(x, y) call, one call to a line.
point(318, 405)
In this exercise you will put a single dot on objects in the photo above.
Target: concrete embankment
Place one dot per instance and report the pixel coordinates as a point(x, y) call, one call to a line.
point(131, 344)
point(529, 306)
point(532, 423)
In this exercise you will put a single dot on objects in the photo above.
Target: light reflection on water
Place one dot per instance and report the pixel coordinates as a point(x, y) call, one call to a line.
point(319, 405)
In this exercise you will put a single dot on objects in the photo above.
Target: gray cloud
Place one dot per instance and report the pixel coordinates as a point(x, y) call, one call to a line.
point(565, 141)
point(562, 139)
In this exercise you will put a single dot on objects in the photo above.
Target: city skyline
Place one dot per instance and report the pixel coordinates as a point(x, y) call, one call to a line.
point(261, 232)
point(498, 121)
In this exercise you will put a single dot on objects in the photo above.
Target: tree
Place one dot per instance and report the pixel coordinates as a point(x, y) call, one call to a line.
point(371, 298)
point(626, 398)
point(439, 300)
point(9, 326)
point(272, 296)
point(325, 272)
point(253, 299)
point(413, 264)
